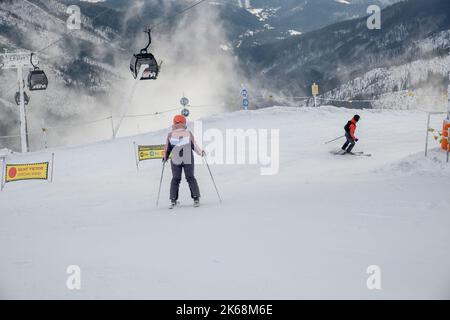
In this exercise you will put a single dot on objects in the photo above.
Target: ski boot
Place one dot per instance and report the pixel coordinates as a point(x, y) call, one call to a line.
point(196, 202)
point(173, 203)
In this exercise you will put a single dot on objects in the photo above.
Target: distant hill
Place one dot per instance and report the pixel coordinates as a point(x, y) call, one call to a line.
point(414, 30)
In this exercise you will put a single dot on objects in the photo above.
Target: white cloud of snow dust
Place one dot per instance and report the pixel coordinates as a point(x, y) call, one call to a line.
point(193, 63)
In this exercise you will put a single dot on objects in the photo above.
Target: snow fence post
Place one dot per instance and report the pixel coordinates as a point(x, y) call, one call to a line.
point(44, 134)
point(315, 93)
point(428, 134)
point(112, 126)
point(53, 161)
point(135, 155)
point(3, 174)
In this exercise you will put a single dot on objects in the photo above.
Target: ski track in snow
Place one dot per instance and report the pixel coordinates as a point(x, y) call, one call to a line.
point(309, 232)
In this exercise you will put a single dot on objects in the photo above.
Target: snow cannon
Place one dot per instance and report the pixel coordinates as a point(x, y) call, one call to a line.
point(445, 141)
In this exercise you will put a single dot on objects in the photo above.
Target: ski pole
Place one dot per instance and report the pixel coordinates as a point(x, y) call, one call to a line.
point(334, 140)
point(160, 183)
point(212, 178)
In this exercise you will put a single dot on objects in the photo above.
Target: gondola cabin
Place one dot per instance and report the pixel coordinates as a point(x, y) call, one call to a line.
point(144, 58)
point(37, 80)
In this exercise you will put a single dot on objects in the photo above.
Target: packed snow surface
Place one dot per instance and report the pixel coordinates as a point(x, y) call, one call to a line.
point(310, 231)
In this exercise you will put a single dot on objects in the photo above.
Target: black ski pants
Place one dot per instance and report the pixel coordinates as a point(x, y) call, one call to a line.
point(176, 179)
point(349, 144)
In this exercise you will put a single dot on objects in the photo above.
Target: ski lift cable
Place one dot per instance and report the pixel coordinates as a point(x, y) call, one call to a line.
point(109, 9)
point(167, 111)
point(7, 137)
point(349, 100)
point(176, 14)
point(78, 124)
point(150, 114)
point(68, 34)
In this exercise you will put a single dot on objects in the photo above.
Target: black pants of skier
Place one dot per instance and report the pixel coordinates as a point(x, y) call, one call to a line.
point(176, 179)
point(349, 144)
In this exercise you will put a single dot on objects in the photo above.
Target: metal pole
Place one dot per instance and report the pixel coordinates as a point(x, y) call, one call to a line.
point(3, 174)
point(128, 98)
point(428, 135)
point(212, 178)
point(53, 161)
point(26, 131)
point(334, 140)
point(160, 183)
point(44, 134)
point(23, 119)
point(112, 126)
point(136, 155)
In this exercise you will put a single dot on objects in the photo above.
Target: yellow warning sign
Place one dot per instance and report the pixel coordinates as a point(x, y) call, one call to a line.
point(315, 89)
point(150, 152)
point(32, 171)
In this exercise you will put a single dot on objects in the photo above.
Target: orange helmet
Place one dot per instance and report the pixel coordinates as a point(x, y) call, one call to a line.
point(179, 119)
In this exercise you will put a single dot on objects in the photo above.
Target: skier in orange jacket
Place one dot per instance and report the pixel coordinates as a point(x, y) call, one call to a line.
point(350, 129)
point(180, 143)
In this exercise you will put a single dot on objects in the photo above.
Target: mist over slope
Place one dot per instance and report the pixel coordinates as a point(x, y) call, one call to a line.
point(88, 69)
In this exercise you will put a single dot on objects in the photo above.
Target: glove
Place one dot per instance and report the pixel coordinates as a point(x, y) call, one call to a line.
point(203, 153)
point(164, 160)
point(356, 140)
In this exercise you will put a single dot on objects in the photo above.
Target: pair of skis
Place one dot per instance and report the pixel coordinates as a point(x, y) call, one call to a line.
point(173, 205)
point(356, 154)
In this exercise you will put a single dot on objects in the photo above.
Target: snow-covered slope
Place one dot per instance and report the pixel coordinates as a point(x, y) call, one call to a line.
point(309, 232)
point(412, 85)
